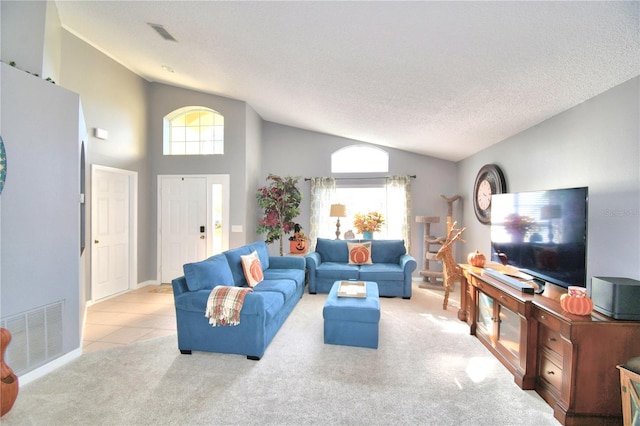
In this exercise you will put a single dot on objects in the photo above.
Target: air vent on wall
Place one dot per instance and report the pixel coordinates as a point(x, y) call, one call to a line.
point(36, 337)
point(162, 31)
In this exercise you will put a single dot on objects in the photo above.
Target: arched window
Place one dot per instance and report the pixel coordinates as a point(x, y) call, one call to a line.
point(193, 130)
point(359, 159)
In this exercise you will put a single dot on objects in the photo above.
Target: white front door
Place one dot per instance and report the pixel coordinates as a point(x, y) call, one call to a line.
point(183, 224)
point(110, 231)
point(193, 220)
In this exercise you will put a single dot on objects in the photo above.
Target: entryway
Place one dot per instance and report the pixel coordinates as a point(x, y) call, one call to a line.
point(193, 220)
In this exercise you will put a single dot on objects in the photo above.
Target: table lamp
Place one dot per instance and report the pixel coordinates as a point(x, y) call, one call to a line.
point(338, 211)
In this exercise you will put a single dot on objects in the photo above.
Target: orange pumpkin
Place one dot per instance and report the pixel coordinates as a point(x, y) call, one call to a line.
point(256, 270)
point(476, 259)
point(298, 246)
point(359, 255)
point(577, 305)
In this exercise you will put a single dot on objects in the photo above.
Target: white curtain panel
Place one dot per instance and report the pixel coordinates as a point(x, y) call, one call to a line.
point(399, 208)
point(322, 194)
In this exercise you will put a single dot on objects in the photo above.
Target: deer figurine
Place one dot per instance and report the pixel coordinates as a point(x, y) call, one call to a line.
point(450, 270)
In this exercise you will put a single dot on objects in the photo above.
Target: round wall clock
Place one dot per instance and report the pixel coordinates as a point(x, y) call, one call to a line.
point(489, 181)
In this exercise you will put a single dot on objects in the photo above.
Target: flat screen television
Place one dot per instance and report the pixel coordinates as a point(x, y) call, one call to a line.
point(542, 233)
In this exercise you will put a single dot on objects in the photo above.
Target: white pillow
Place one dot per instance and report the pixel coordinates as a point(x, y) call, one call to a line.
point(252, 268)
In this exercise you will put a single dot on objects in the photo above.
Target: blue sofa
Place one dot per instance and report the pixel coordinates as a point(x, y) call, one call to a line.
point(391, 267)
point(263, 312)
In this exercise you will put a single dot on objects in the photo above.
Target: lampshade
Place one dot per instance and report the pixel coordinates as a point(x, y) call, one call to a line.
point(338, 210)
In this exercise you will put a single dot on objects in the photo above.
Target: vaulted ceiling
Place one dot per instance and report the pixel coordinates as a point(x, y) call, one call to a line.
point(445, 79)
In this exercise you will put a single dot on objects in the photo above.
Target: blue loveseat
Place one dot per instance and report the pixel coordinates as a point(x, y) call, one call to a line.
point(263, 312)
point(391, 266)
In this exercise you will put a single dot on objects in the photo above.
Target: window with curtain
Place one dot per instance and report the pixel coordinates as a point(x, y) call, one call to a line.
point(390, 196)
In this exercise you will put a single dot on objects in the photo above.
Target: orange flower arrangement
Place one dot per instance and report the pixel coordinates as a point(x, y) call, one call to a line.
point(368, 222)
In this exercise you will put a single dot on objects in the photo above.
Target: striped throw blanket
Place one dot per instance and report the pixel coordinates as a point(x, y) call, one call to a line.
point(224, 305)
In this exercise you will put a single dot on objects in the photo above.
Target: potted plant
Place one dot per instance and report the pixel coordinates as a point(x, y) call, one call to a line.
point(280, 200)
point(298, 241)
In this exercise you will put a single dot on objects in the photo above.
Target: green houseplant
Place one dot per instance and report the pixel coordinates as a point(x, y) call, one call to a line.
point(280, 201)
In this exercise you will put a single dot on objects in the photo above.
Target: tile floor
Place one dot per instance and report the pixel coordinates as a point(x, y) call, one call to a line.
point(133, 316)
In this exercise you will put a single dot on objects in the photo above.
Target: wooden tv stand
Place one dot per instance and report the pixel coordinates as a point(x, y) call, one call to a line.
point(569, 360)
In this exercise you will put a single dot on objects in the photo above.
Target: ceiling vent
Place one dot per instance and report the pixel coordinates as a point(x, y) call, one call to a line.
point(162, 31)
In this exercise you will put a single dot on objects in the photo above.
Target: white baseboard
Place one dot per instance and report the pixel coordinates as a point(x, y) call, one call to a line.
point(49, 367)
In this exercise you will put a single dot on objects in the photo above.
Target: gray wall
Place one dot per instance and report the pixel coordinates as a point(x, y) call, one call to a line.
point(164, 99)
point(41, 200)
point(24, 22)
point(113, 99)
point(288, 151)
point(254, 166)
point(595, 144)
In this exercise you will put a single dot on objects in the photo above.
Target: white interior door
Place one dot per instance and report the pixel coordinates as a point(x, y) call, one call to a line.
point(111, 232)
point(183, 223)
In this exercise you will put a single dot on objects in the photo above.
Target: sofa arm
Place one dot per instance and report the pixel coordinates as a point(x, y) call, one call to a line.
point(179, 285)
point(408, 264)
point(313, 261)
point(286, 262)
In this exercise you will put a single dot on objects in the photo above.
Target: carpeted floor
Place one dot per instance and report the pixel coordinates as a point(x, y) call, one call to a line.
point(427, 370)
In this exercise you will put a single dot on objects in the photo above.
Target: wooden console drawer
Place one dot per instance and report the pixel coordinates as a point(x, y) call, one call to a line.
point(505, 300)
point(551, 339)
point(550, 371)
point(547, 320)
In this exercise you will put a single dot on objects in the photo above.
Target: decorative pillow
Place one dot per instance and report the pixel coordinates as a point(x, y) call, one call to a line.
point(252, 268)
point(359, 253)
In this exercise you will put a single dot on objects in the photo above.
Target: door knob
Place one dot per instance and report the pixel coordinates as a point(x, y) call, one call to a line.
point(202, 237)
point(96, 241)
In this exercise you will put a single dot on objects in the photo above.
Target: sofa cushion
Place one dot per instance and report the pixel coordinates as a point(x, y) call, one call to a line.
point(382, 272)
point(387, 251)
point(235, 264)
point(252, 269)
point(207, 274)
point(337, 271)
point(285, 287)
point(332, 250)
point(359, 253)
point(296, 275)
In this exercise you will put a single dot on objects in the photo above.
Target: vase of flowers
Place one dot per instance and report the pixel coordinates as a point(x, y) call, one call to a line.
point(368, 223)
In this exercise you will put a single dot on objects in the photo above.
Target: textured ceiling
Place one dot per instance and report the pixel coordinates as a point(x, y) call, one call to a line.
point(445, 79)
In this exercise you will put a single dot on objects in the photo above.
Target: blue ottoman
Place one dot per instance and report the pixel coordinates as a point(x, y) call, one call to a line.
point(352, 321)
